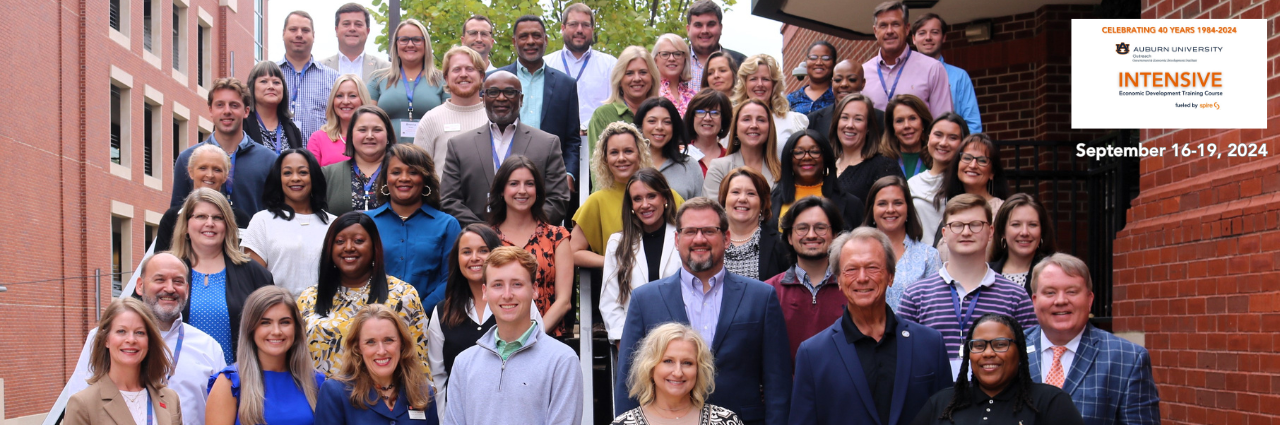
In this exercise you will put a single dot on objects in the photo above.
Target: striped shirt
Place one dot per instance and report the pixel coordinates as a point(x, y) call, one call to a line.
point(928, 302)
point(308, 92)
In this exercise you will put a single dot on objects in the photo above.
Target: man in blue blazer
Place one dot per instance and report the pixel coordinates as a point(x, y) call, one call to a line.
point(871, 366)
point(1108, 378)
point(741, 317)
point(550, 96)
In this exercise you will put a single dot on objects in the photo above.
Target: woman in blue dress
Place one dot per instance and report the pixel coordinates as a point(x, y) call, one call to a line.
point(382, 382)
point(273, 380)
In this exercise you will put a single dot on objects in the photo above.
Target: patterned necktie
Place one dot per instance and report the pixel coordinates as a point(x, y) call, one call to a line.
point(1056, 377)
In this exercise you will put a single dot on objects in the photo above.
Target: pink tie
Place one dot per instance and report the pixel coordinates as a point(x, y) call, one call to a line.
point(1056, 376)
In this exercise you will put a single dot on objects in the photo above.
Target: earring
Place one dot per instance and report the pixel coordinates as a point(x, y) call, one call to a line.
point(1003, 244)
point(384, 191)
point(427, 192)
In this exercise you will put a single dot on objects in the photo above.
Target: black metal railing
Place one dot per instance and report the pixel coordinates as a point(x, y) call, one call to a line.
point(1086, 198)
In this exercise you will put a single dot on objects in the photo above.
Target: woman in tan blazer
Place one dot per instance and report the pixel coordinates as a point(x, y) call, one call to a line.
point(130, 364)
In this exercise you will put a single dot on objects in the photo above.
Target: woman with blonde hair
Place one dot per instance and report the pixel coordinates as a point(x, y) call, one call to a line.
point(634, 79)
point(672, 376)
point(130, 364)
point(329, 143)
point(675, 66)
point(760, 78)
point(381, 381)
point(222, 275)
point(398, 89)
point(623, 151)
point(752, 144)
point(273, 380)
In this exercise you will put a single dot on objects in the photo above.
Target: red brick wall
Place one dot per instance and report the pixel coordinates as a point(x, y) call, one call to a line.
point(1196, 269)
point(57, 166)
point(795, 47)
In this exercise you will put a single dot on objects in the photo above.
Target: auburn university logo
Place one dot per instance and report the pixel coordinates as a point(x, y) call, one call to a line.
point(1122, 48)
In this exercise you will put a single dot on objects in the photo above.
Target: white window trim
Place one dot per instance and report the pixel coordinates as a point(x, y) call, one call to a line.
point(155, 99)
point(124, 211)
point(120, 36)
point(125, 82)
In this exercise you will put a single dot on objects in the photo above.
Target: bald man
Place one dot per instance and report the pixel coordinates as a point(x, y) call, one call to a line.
point(473, 156)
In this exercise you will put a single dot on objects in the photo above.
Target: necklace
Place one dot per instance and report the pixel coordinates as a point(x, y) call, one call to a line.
point(743, 240)
point(386, 388)
point(133, 399)
point(684, 411)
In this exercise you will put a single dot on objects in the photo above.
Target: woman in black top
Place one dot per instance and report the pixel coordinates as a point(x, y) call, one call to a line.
point(1022, 237)
point(635, 256)
point(270, 124)
point(1005, 393)
point(855, 137)
point(809, 169)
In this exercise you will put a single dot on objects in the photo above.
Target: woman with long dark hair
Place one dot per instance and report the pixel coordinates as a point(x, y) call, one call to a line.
point(975, 170)
point(907, 118)
point(945, 136)
point(1023, 235)
point(855, 137)
point(659, 121)
point(353, 275)
point(463, 317)
point(999, 389)
point(889, 209)
point(285, 236)
point(644, 251)
point(809, 169)
point(515, 205)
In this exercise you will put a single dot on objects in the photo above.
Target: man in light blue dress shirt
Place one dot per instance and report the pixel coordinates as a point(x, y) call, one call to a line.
point(928, 34)
point(308, 81)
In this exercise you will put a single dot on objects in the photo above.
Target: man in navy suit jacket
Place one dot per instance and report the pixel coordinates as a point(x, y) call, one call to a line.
point(550, 96)
point(741, 317)
point(871, 366)
point(1109, 378)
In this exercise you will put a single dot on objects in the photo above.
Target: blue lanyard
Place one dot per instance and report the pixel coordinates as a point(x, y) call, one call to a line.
point(279, 140)
point(408, 91)
point(150, 414)
point(902, 166)
point(231, 174)
point(297, 87)
point(566, 64)
point(177, 351)
point(955, 303)
point(368, 186)
point(493, 145)
point(902, 67)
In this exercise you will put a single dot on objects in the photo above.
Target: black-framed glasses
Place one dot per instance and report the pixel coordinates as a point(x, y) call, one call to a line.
point(974, 226)
point(982, 160)
point(823, 57)
point(510, 93)
point(799, 154)
point(701, 113)
point(709, 231)
point(665, 55)
point(1000, 345)
point(410, 40)
point(818, 229)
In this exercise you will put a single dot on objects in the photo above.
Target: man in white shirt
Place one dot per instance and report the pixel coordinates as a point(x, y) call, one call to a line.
point(164, 287)
point(477, 33)
point(351, 22)
point(589, 67)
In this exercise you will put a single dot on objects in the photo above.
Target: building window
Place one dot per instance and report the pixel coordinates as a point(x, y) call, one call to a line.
point(179, 36)
point(203, 135)
point(149, 232)
point(257, 30)
point(203, 64)
point(146, 25)
point(119, 251)
point(119, 12)
point(179, 139)
point(149, 119)
point(119, 125)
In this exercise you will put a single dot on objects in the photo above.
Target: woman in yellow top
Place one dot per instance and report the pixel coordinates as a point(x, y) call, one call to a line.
point(809, 169)
point(353, 275)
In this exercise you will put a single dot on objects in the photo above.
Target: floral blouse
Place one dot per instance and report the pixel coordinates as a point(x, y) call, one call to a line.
point(362, 200)
point(542, 244)
point(710, 415)
point(680, 96)
point(918, 262)
point(325, 333)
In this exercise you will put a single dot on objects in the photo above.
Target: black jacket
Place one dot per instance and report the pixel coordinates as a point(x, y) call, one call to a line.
point(242, 280)
point(291, 132)
point(773, 251)
point(851, 209)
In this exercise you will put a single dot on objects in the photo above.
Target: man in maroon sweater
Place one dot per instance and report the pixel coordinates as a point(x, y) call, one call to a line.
point(811, 300)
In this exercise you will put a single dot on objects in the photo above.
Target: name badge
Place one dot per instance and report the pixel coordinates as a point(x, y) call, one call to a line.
point(418, 415)
point(408, 128)
point(452, 127)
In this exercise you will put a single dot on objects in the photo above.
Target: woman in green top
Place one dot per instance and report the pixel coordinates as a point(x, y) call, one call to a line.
point(400, 89)
point(907, 117)
point(633, 80)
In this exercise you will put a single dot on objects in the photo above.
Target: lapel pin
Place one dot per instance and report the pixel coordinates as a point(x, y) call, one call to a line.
point(162, 406)
point(906, 334)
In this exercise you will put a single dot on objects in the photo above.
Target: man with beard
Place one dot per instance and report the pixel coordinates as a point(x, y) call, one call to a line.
point(703, 24)
point(847, 78)
point(928, 34)
point(463, 74)
point(477, 33)
point(351, 22)
point(589, 67)
point(550, 100)
point(740, 317)
point(809, 286)
point(472, 158)
point(164, 287)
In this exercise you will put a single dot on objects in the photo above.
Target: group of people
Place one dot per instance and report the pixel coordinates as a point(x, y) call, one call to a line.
point(832, 255)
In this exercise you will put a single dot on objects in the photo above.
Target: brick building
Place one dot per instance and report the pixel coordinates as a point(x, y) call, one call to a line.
point(1193, 271)
point(107, 93)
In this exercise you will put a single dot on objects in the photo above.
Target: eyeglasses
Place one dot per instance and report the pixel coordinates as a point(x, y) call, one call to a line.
point(975, 226)
point(493, 94)
point(799, 154)
point(666, 55)
point(999, 345)
point(702, 113)
point(410, 40)
point(478, 33)
point(577, 24)
point(206, 217)
point(823, 57)
point(818, 229)
point(982, 160)
point(710, 232)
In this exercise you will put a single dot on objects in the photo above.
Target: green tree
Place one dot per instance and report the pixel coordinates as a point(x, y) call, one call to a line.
point(619, 23)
